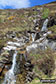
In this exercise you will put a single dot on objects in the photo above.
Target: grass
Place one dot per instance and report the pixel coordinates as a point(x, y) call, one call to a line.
point(2, 42)
point(35, 81)
point(20, 20)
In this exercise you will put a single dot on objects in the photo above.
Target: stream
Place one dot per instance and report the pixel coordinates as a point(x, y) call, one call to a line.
point(10, 77)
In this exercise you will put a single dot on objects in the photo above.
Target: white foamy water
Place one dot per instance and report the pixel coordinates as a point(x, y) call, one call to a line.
point(33, 37)
point(13, 45)
point(10, 48)
point(14, 62)
point(10, 77)
point(30, 47)
point(44, 28)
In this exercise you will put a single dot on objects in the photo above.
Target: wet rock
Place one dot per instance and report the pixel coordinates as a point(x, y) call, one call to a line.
point(7, 67)
point(41, 21)
point(37, 36)
point(49, 44)
point(29, 77)
point(1, 47)
point(26, 39)
point(41, 46)
point(31, 47)
point(4, 61)
point(11, 34)
point(1, 69)
point(28, 66)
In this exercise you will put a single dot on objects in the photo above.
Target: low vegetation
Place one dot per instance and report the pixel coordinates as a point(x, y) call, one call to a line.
point(44, 61)
point(45, 13)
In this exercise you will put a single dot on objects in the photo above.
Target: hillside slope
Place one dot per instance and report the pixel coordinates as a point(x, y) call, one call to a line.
point(32, 33)
point(24, 18)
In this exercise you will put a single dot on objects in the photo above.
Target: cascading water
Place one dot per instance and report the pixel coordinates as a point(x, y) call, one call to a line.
point(33, 37)
point(44, 28)
point(10, 77)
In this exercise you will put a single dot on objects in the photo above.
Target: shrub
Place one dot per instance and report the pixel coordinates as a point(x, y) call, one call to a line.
point(45, 13)
point(11, 17)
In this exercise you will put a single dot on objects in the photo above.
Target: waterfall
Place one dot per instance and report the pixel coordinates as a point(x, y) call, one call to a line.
point(14, 62)
point(44, 28)
point(9, 76)
point(33, 37)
